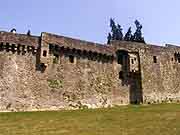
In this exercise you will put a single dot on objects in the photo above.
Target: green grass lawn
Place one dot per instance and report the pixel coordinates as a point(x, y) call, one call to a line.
point(126, 120)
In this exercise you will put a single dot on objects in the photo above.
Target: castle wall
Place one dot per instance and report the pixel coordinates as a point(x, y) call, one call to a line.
point(54, 72)
point(160, 70)
point(19, 87)
point(160, 78)
point(91, 80)
point(84, 83)
point(60, 80)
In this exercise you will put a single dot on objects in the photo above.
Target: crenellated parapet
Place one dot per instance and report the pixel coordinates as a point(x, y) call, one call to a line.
point(19, 43)
point(17, 48)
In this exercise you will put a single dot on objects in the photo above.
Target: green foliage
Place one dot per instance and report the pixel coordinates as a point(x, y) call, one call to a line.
point(29, 33)
point(55, 60)
point(55, 84)
point(117, 34)
point(113, 29)
point(128, 35)
point(137, 37)
point(109, 38)
point(79, 105)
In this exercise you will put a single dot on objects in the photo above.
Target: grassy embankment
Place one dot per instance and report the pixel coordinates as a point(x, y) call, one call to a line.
point(126, 120)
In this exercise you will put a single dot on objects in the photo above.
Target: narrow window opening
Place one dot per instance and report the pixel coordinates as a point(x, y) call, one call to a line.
point(78, 53)
point(13, 48)
point(71, 59)
point(155, 59)
point(120, 59)
point(50, 48)
point(56, 48)
point(44, 53)
point(172, 59)
point(7, 47)
point(121, 75)
point(178, 60)
point(1, 46)
point(132, 61)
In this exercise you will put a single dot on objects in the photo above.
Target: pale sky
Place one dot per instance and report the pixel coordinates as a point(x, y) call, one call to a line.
point(89, 19)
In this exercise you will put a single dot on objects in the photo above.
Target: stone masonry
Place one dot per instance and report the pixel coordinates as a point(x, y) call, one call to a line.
point(51, 72)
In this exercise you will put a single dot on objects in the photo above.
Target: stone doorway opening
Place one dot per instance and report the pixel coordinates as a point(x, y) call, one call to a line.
point(129, 76)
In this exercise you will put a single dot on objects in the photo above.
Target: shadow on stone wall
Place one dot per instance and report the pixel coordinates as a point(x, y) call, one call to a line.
point(133, 79)
point(39, 66)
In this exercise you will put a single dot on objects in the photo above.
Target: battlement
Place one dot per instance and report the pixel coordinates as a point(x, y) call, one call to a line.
point(20, 43)
point(23, 39)
point(76, 44)
point(49, 40)
point(51, 47)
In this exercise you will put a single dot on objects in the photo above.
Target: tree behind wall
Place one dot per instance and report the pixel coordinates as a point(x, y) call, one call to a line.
point(137, 37)
point(128, 36)
point(117, 34)
point(109, 38)
point(113, 29)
